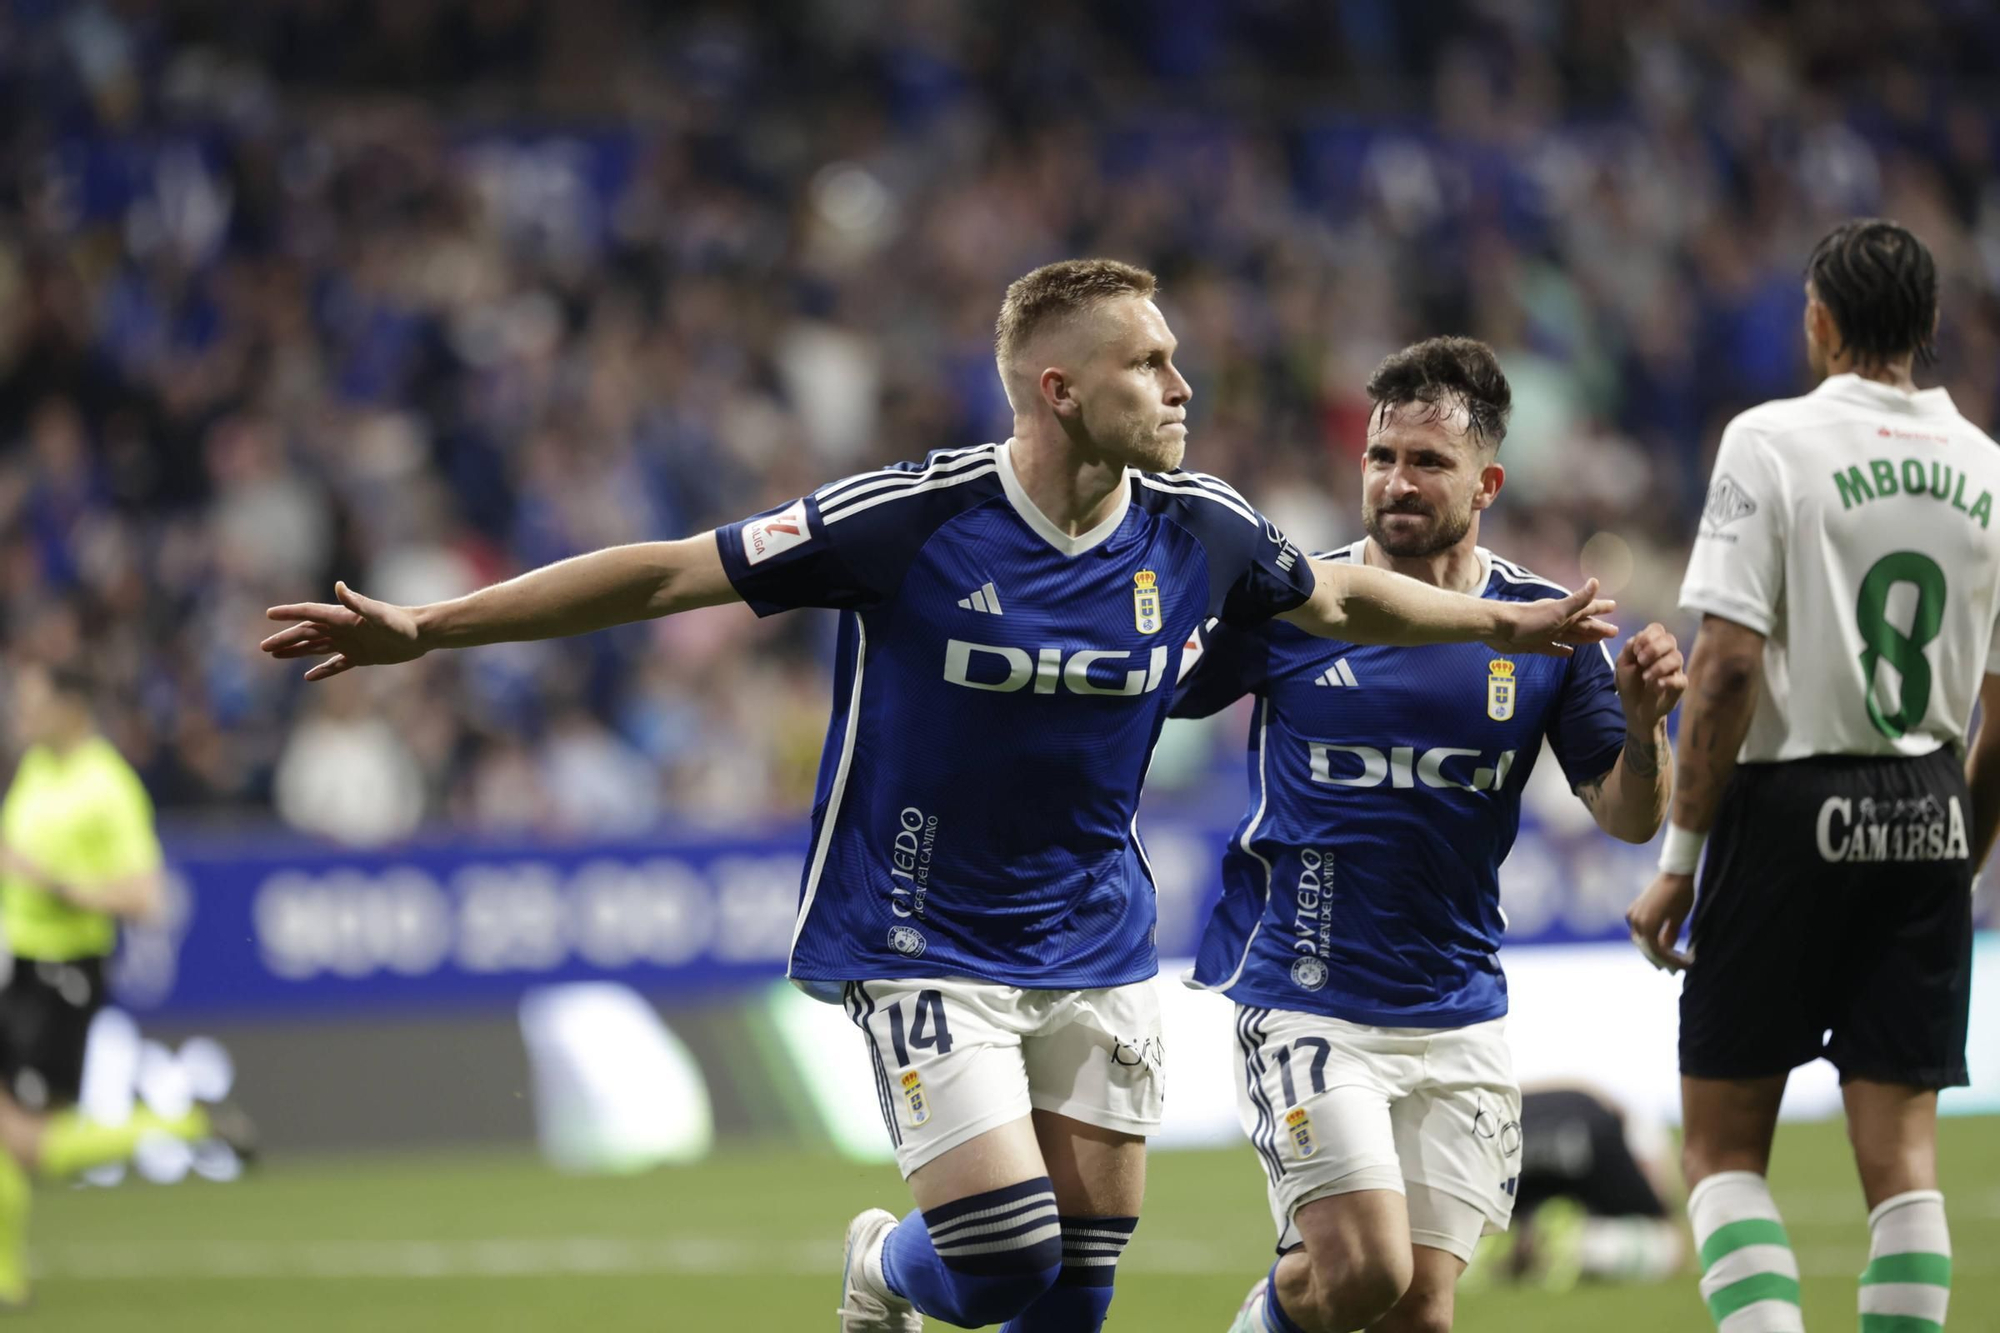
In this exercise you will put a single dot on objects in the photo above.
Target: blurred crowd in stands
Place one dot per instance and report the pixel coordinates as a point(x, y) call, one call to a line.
point(420, 293)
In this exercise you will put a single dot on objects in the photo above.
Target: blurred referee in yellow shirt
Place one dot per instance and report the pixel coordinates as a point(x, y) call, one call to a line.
point(77, 854)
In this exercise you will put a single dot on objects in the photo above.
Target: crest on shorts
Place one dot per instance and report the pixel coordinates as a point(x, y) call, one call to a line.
point(915, 1103)
point(1500, 689)
point(1299, 1124)
point(1146, 602)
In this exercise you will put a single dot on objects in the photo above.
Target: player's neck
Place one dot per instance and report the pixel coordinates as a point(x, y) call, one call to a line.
point(1895, 374)
point(1076, 494)
point(65, 741)
point(1456, 569)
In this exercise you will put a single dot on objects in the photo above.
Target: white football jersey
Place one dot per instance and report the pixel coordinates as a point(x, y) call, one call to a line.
point(1854, 529)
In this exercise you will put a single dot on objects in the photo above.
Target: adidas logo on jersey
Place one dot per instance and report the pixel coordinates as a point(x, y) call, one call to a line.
point(1338, 674)
point(985, 600)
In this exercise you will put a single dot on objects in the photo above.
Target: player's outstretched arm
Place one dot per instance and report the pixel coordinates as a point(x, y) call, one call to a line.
point(1723, 676)
point(1982, 773)
point(588, 592)
point(1630, 800)
point(1361, 604)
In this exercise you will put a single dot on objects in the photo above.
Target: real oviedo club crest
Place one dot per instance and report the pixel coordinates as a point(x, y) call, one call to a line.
point(1500, 689)
point(1146, 601)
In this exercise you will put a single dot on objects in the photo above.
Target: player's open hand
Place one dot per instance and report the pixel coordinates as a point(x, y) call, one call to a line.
point(358, 631)
point(1652, 676)
point(1656, 919)
point(1553, 626)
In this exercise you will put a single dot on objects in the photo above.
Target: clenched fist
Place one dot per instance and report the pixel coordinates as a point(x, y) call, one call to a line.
point(1652, 676)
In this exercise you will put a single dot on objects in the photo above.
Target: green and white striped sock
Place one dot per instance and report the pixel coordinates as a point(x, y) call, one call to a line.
point(1907, 1283)
point(1749, 1276)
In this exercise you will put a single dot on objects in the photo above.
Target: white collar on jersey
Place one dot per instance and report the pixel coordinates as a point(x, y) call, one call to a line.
point(1017, 495)
point(1874, 393)
point(1357, 552)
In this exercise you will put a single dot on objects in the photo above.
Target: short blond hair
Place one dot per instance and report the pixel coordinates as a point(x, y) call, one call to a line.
point(1060, 291)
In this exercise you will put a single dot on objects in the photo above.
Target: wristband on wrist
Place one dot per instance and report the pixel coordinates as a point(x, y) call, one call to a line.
point(1680, 853)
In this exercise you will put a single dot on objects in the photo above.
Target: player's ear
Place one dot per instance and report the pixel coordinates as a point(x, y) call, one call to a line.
point(1820, 325)
point(1058, 394)
point(1491, 478)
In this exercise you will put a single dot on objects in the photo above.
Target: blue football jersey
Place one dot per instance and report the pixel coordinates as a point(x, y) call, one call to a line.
point(1364, 881)
point(999, 690)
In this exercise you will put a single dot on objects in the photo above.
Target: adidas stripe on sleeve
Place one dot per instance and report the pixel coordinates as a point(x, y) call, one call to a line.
point(845, 546)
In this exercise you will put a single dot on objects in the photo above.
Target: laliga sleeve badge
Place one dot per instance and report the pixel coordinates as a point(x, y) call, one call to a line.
point(914, 1101)
point(1298, 1122)
point(1500, 689)
point(776, 533)
point(1146, 602)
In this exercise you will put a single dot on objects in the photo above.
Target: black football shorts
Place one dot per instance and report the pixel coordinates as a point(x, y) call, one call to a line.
point(1834, 919)
point(45, 1013)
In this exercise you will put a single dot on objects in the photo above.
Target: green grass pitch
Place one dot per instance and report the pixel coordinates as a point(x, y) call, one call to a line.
point(750, 1241)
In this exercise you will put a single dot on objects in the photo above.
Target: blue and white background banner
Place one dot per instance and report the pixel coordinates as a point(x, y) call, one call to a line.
point(266, 928)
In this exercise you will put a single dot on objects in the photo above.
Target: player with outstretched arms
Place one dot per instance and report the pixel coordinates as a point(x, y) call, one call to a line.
point(1360, 923)
point(975, 891)
point(1847, 573)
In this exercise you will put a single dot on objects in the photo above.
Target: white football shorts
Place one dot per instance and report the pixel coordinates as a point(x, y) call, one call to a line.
point(1433, 1113)
point(954, 1059)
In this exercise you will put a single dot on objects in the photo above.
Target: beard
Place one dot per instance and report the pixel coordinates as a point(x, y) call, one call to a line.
point(1441, 533)
point(1156, 453)
point(1137, 444)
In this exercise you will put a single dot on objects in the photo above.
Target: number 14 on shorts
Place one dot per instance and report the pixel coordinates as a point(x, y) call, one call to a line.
point(928, 1030)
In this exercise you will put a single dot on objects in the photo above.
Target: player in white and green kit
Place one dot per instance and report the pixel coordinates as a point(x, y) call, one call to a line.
point(1848, 576)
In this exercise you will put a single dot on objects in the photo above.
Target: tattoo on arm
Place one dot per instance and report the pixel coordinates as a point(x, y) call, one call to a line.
point(1641, 760)
point(1642, 755)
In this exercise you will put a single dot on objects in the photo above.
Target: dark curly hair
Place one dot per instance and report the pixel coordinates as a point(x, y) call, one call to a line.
point(1881, 285)
point(1445, 373)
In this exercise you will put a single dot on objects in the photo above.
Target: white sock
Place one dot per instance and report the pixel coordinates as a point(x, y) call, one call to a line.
point(1907, 1283)
point(1749, 1276)
point(872, 1277)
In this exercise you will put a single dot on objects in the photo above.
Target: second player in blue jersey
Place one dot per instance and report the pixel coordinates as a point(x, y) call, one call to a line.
point(1385, 791)
point(1360, 924)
